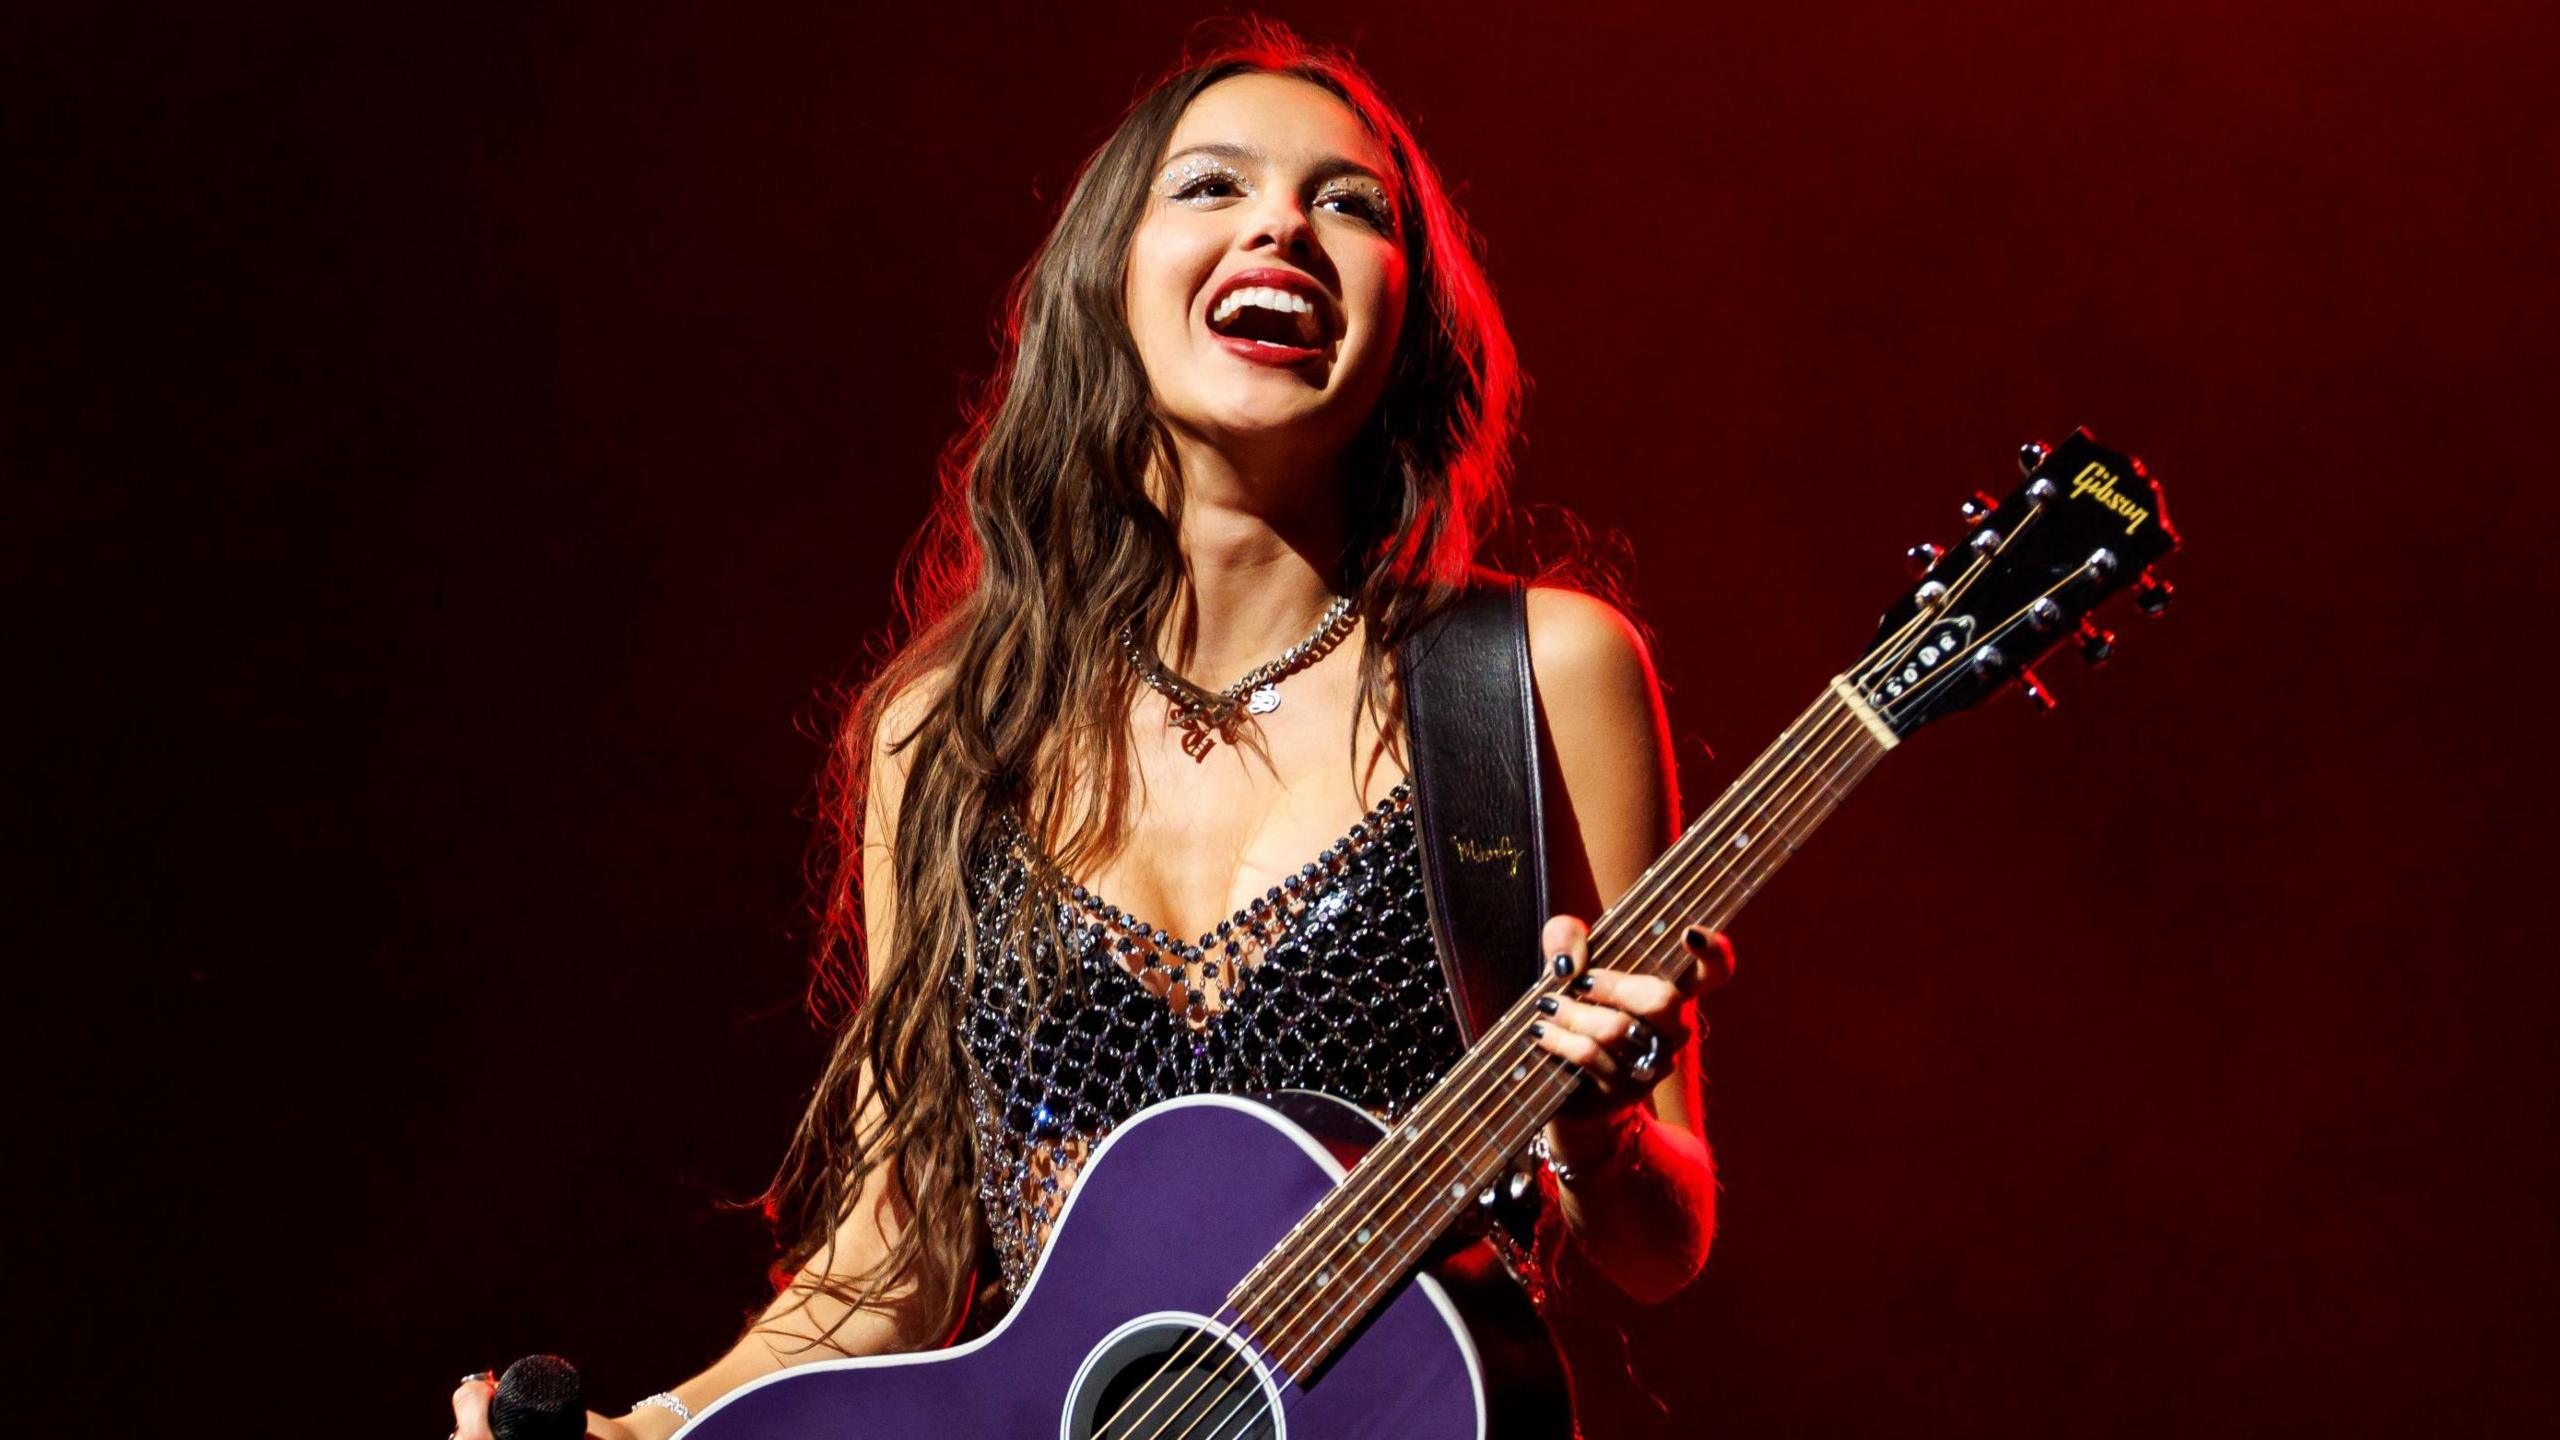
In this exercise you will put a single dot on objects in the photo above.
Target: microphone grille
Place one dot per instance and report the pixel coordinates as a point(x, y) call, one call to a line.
point(539, 1398)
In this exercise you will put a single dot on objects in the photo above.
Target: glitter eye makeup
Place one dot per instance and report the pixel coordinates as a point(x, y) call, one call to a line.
point(1187, 182)
point(1183, 178)
point(1368, 197)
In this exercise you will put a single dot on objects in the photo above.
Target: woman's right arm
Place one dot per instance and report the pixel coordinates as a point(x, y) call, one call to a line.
point(804, 1322)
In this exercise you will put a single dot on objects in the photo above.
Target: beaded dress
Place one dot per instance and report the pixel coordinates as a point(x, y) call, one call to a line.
point(1328, 982)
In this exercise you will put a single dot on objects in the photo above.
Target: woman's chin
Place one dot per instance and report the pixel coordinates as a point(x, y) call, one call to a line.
point(1273, 403)
point(1250, 426)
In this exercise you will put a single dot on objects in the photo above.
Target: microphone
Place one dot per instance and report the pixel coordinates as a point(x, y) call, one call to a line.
point(539, 1398)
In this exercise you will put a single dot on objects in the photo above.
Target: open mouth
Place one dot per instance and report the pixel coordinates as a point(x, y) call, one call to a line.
point(1271, 321)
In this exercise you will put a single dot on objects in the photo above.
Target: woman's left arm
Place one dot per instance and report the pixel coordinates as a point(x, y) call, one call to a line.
point(1641, 1200)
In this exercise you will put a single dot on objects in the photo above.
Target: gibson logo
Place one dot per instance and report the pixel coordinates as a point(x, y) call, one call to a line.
point(2099, 483)
point(1502, 850)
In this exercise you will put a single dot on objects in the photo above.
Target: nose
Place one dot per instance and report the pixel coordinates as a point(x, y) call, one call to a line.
point(1278, 222)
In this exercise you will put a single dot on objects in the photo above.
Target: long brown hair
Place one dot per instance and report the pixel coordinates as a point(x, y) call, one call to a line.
point(1010, 693)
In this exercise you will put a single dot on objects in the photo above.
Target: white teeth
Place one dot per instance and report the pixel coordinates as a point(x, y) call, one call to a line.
point(1263, 296)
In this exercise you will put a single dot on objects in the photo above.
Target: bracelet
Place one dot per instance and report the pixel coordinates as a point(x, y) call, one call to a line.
point(1623, 1134)
point(666, 1400)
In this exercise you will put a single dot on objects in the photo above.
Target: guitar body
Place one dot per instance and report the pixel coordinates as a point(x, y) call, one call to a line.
point(1173, 1208)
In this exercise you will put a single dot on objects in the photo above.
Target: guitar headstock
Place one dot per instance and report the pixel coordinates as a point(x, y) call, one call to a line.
point(2085, 523)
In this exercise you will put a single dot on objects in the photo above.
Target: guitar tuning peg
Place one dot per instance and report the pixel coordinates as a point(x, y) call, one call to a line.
point(1921, 558)
point(2032, 454)
point(2033, 689)
point(2153, 594)
point(1979, 508)
point(2096, 646)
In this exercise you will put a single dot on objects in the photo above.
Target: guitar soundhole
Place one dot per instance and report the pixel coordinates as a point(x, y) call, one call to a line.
point(1170, 1380)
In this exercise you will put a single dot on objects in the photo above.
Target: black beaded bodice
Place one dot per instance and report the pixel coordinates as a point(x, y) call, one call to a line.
point(1328, 982)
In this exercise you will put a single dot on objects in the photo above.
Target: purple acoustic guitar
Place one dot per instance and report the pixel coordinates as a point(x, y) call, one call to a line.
point(1326, 1300)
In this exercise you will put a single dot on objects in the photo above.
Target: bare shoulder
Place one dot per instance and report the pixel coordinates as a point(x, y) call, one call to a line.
point(1608, 756)
point(902, 709)
point(1586, 652)
point(895, 717)
point(885, 765)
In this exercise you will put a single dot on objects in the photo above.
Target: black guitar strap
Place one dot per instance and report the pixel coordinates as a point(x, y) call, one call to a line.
point(1471, 731)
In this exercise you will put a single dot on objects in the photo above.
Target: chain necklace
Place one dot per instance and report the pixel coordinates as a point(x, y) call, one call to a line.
point(1204, 717)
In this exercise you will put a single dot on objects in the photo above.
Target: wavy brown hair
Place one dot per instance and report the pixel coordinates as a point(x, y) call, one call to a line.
point(1010, 693)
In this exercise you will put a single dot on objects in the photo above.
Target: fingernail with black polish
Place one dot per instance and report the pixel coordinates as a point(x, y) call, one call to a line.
point(1537, 1028)
point(1582, 983)
point(1548, 1004)
point(1564, 964)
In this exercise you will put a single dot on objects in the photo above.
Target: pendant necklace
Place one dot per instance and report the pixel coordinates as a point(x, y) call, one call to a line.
point(1206, 717)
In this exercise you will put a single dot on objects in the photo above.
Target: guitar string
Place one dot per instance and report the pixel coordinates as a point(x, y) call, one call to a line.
point(1684, 879)
point(1665, 885)
point(1465, 1090)
point(1669, 883)
point(1678, 878)
point(1245, 1371)
point(1240, 1409)
point(2085, 570)
point(1309, 1340)
point(1679, 882)
point(1883, 657)
point(1947, 672)
point(1657, 877)
point(1829, 798)
point(1297, 1338)
point(1927, 614)
point(1296, 1330)
point(1474, 1070)
point(1172, 1361)
point(1786, 816)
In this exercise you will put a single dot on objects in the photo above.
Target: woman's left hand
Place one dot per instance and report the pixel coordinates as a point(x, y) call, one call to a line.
point(1626, 1031)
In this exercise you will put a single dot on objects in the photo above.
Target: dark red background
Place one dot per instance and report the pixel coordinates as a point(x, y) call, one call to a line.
point(445, 450)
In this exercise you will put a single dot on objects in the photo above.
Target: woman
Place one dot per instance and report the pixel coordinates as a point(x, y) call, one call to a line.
point(1258, 405)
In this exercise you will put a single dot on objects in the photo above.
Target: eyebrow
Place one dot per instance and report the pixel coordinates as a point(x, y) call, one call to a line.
point(1327, 168)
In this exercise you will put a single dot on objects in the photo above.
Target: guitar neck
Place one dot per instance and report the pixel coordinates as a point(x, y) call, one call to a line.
point(1367, 1236)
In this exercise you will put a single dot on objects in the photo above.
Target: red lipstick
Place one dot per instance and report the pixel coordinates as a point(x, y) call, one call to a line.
point(1271, 352)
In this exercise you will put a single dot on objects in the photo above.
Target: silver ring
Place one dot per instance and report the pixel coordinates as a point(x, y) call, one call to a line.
point(1649, 1063)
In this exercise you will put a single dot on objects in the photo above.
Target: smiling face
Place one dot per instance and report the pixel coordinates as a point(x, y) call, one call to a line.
point(1266, 282)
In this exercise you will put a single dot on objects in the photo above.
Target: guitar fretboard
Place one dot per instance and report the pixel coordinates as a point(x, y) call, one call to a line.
point(1367, 1236)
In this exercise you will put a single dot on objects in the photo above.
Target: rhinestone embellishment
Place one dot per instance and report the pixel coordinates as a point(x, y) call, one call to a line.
point(1326, 981)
